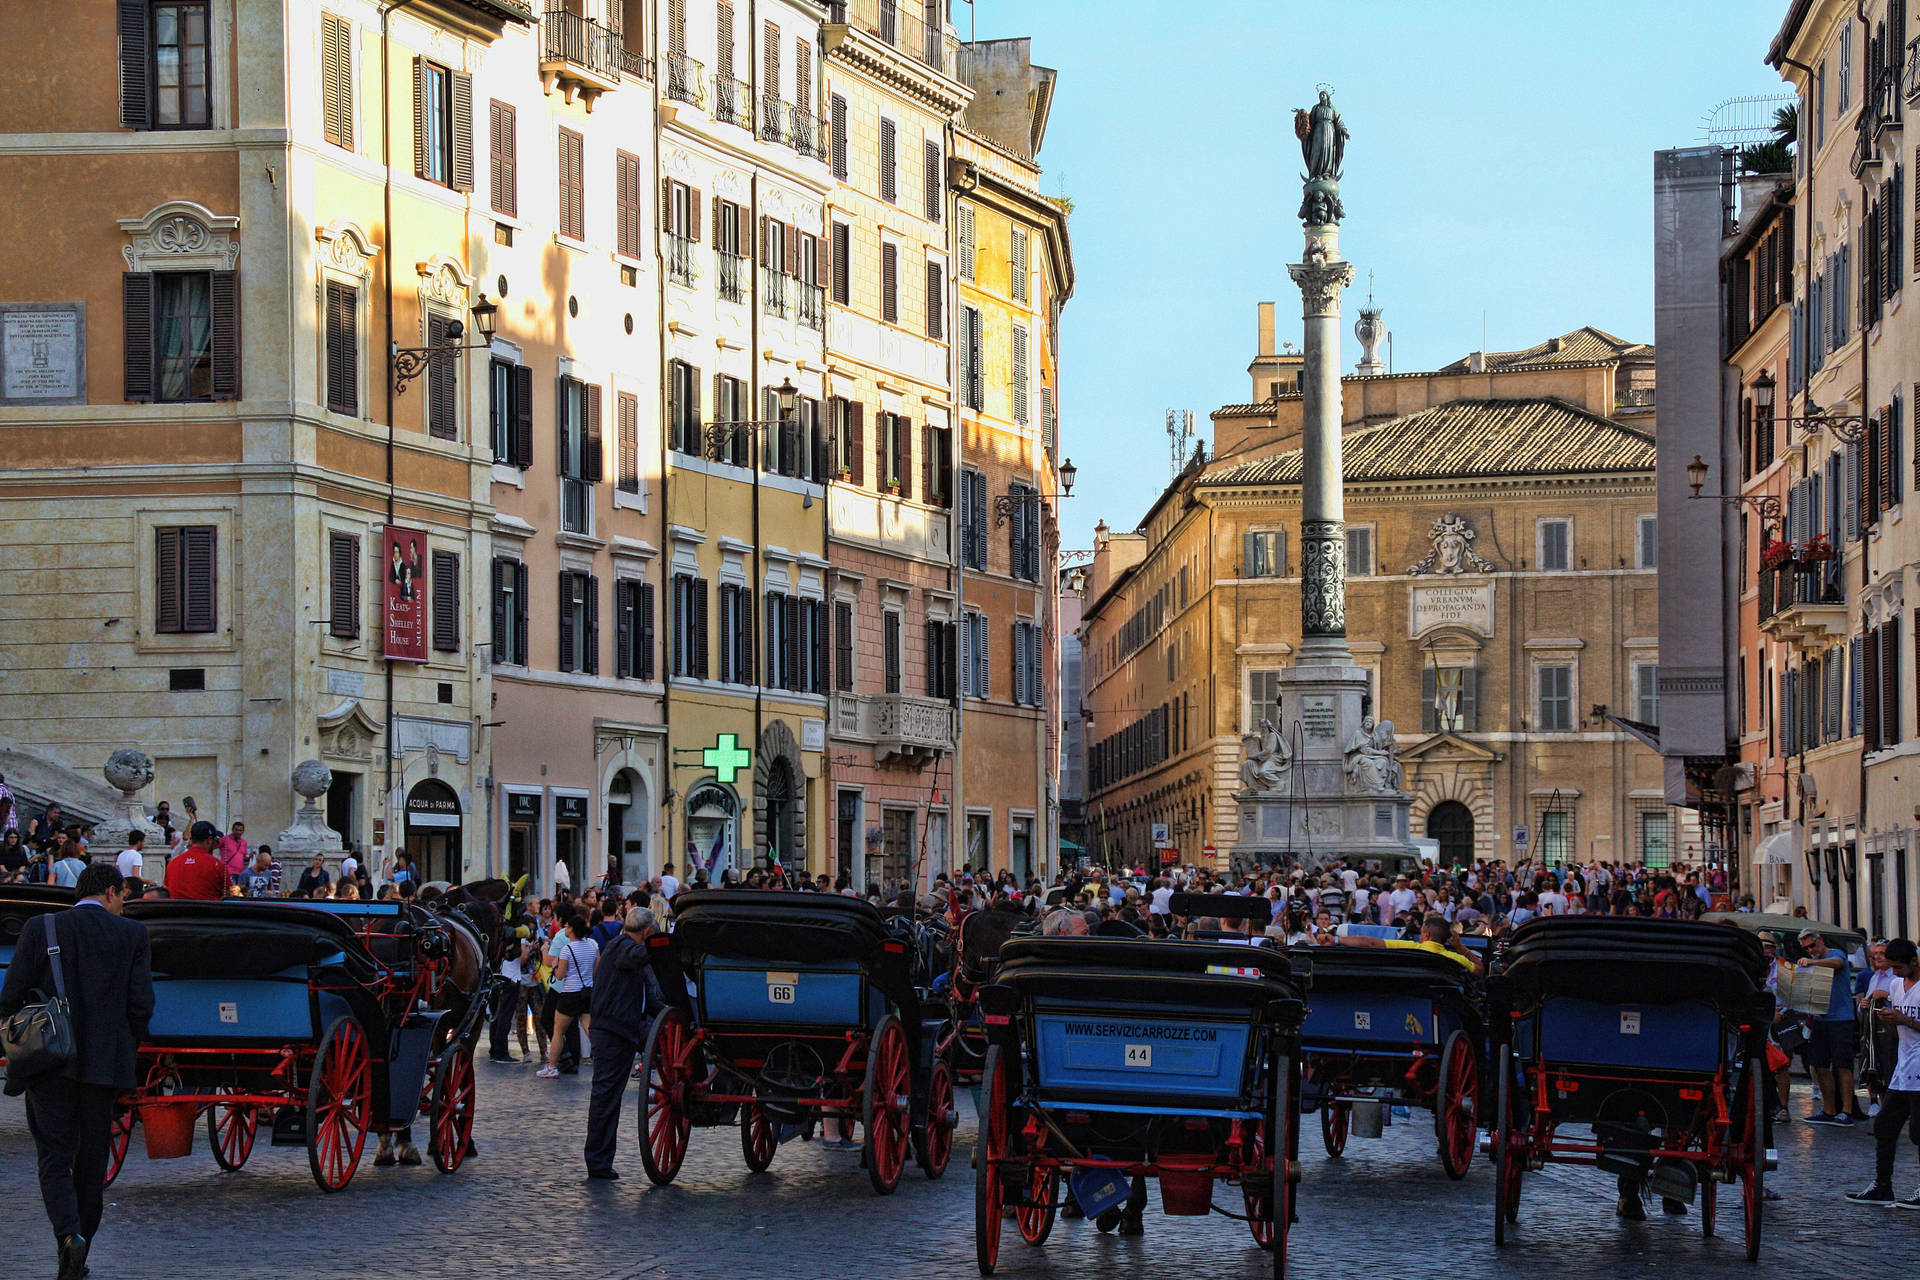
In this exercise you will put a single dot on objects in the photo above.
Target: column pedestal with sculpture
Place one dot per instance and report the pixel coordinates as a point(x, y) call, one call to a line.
point(1322, 780)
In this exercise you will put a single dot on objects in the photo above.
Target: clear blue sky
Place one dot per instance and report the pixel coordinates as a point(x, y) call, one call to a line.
point(1501, 161)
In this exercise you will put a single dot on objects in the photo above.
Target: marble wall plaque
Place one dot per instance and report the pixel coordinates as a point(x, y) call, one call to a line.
point(1318, 720)
point(43, 353)
point(1470, 607)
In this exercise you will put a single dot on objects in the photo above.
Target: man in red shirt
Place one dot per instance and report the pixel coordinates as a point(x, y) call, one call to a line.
point(198, 872)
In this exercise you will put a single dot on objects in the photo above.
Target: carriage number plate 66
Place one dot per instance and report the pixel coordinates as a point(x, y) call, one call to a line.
point(1140, 1055)
point(780, 987)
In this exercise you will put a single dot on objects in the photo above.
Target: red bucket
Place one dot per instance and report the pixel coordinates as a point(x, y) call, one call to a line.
point(1186, 1192)
point(169, 1128)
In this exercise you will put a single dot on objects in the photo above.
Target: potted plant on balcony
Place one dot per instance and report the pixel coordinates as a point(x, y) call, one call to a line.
point(1775, 553)
point(1815, 550)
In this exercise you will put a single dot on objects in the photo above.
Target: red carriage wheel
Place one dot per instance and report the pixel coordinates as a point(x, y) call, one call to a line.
point(118, 1139)
point(1750, 1156)
point(1035, 1218)
point(665, 1119)
point(1335, 1120)
point(990, 1148)
point(886, 1105)
point(451, 1110)
point(1509, 1142)
point(758, 1141)
point(1456, 1105)
point(230, 1131)
point(339, 1104)
point(933, 1140)
point(1259, 1203)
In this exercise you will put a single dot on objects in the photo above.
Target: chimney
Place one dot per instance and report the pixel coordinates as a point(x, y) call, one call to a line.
point(1266, 329)
point(1477, 362)
point(1556, 344)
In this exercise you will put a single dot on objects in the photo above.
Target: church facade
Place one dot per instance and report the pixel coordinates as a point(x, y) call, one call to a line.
point(1500, 595)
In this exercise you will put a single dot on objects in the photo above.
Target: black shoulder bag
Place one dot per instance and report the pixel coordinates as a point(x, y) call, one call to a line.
point(38, 1039)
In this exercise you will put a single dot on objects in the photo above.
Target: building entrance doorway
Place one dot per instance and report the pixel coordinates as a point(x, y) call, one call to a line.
point(1451, 823)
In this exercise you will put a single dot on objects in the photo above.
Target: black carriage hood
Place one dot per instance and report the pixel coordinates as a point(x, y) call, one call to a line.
point(1125, 970)
point(1338, 968)
point(20, 903)
point(764, 924)
point(236, 938)
point(1631, 960)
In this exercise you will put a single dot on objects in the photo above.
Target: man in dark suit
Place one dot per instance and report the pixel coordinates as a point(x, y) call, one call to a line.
point(109, 984)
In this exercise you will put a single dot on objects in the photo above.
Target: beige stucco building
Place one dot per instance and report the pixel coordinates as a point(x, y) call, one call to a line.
point(1500, 596)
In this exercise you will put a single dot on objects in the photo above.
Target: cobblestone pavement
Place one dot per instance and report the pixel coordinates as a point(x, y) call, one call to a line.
point(1385, 1211)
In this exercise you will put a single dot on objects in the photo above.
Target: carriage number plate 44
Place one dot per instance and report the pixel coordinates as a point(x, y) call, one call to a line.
point(1140, 1055)
point(229, 1012)
point(1630, 1022)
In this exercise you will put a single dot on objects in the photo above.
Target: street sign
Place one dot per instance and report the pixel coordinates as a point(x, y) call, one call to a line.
point(1209, 852)
point(726, 757)
point(1521, 837)
point(1169, 856)
point(1162, 837)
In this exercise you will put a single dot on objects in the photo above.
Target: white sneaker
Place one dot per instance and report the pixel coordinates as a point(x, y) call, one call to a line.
point(548, 1073)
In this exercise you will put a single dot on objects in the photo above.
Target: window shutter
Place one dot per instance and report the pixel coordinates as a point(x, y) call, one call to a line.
point(1019, 662)
point(166, 580)
point(890, 283)
point(1019, 269)
point(694, 211)
point(843, 645)
point(623, 627)
point(462, 131)
point(573, 212)
point(224, 299)
point(1853, 490)
point(420, 147)
point(857, 423)
point(903, 452)
point(795, 644)
point(889, 161)
point(1883, 459)
point(928, 471)
point(198, 575)
point(1890, 682)
point(343, 348)
point(627, 203)
point(503, 146)
point(842, 263)
point(522, 416)
point(343, 585)
point(934, 166)
point(976, 375)
point(839, 113)
point(629, 442)
point(590, 643)
point(502, 570)
point(136, 45)
point(791, 238)
point(442, 402)
point(963, 218)
point(567, 637)
point(1021, 343)
point(136, 292)
point(520, 612)
point(984, 657)
point(646, 631)
point(336, 80)
point(936, 300)
point(699, 627)
point(595, 455)
point(446, 601)
point(1469, 699)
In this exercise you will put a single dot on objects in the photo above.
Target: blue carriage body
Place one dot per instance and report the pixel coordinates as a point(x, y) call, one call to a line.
point(1148, 1054)
point(745, 992)
point(1685, 1038)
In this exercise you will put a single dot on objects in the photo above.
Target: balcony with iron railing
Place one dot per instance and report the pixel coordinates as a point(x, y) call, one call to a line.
point(776, 119)
point(685, 79)
point(733, 101)
point(915, 27)
point(775, 293)
point(813, 304)
point(809, 134)
point(1912, 84)
point(736, 275)
point(1879, 112)
point(584, 58)
point(1801, 597)
point(680, 251)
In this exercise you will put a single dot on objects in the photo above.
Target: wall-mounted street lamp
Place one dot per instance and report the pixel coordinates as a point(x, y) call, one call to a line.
point(1765, 505)
point(1847, 426)
point(1007, 503)
point(410, 362)
point(720, 434)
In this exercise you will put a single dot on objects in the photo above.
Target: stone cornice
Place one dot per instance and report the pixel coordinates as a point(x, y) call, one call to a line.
point(900, 71)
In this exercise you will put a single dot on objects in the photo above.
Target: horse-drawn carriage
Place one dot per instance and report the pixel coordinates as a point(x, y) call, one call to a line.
point(318, 1022)
point(976, 937)
point(1393, 1027)
point(1111, 1060)
point(1650, 1035)
point(786, 1010)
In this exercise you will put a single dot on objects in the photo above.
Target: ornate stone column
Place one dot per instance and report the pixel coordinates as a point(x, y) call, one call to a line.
point(1323, 530)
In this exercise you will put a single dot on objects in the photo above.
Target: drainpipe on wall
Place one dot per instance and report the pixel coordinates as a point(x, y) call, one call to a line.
point(670, 792)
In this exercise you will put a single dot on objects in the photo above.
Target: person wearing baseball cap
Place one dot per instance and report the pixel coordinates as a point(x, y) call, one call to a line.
point(198, 872)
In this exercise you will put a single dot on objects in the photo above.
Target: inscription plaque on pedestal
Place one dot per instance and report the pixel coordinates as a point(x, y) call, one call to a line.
point(43, 353)
point(1318, 719)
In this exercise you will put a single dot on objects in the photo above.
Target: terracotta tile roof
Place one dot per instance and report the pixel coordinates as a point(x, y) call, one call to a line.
point(1470, 438)
point(1585, 345)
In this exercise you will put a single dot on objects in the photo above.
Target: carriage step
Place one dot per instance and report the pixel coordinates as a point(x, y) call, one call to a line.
point(290, 1127)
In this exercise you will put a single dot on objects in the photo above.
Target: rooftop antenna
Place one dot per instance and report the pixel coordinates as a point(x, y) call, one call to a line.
point(1179, 432)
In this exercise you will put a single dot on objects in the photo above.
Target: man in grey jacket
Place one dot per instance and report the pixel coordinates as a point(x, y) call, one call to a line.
point(626, 998)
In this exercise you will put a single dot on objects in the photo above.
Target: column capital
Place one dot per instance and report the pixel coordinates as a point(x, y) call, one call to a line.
point(1320, 285)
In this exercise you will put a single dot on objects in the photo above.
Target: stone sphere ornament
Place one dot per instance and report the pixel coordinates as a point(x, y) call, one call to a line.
point(311, 779)
point(129, 770)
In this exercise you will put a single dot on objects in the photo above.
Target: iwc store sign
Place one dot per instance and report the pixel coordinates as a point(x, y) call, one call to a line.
point(43, 353)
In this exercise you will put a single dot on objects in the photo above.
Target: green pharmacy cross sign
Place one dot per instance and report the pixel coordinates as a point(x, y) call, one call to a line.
point(726, 757)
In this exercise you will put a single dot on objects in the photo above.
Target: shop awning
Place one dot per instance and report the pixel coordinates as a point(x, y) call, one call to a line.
point(1781, 849)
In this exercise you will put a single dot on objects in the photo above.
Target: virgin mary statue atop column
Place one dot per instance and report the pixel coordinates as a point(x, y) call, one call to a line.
point(1323, 139)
